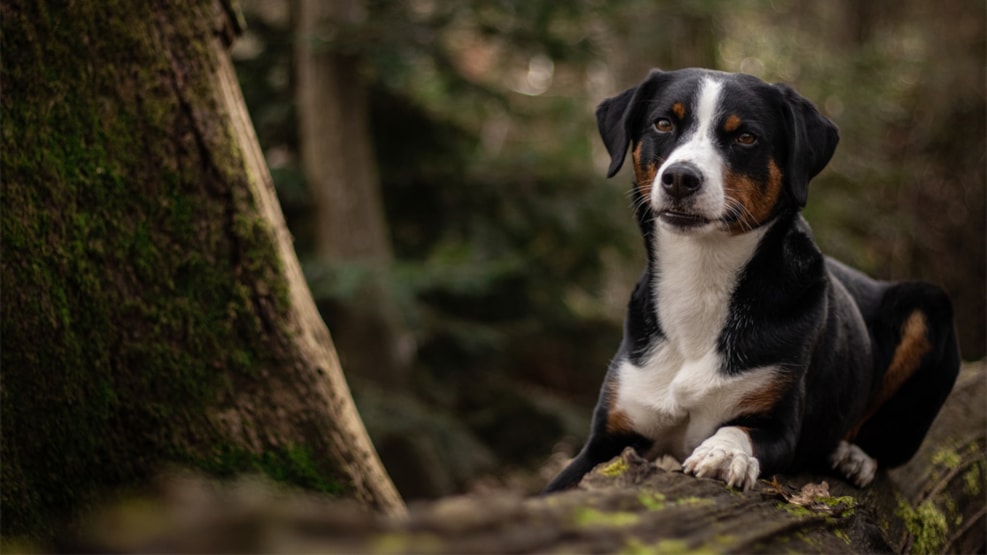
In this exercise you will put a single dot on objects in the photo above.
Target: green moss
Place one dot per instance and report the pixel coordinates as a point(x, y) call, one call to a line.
point(653, 501)
point(614, 468)
point(846, 501)
point(927, 525)
point(843, 506)
point(292, 465)
point(795, 510)
point(656, 501)
point(586, 516)
point(947, 457)
point(973, 479)
point(841, 534)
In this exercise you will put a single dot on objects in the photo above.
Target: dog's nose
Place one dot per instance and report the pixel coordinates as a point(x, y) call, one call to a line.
point(681, 179)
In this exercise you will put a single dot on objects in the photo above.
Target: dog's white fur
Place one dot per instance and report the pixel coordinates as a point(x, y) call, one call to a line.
point(854, 463)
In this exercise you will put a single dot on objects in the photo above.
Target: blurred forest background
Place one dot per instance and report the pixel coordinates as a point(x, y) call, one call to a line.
point(439, 167)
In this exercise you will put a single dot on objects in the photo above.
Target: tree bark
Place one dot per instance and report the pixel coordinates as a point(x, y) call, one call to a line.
point(154, 310)
point(341, 171)
point(934, 504)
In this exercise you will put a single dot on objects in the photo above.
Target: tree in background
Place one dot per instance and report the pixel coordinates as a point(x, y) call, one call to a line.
point(154, 312)
point(341, 172)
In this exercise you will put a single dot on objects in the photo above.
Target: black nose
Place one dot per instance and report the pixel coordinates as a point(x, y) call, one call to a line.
point(681, 180)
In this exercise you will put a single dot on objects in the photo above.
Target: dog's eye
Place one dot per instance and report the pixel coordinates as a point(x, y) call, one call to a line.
point(664, 125)
point(746, 139)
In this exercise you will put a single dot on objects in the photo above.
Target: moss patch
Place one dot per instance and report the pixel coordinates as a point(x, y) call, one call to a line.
point(948, 458)
point(973, 479)
point(653, 501)
point(591, 517)
point(614, 468)
point(927, 525)
point(291, 465)
point(796, 510)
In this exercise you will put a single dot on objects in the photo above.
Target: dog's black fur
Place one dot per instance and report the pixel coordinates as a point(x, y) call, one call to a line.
point(851, 360)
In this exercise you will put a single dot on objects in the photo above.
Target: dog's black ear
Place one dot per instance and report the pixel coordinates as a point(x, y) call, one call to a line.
point(812, 141)
point(610, 121)
point(616, 115)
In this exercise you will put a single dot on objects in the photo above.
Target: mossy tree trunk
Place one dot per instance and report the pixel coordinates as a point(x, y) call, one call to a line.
point(154, 312)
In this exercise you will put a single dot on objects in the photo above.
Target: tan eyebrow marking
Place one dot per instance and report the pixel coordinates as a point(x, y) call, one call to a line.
point(732, 123)
point(679, 109)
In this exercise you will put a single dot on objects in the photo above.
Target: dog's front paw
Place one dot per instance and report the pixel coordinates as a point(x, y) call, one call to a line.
point(728, 456)
point(854, 463)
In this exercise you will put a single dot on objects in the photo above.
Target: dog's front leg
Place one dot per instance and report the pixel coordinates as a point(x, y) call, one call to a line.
point(596, 451)
point(604, 443)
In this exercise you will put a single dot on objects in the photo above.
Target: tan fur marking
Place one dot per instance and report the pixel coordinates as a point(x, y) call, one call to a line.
point(617, 420)
point(907, 357)
point(679, 109)
point(755, 201)
point(619, 423)
point(762, 401)
point(732, 123)
point(644, 176)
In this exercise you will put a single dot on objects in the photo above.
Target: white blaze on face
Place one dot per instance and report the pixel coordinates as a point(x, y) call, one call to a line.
point(700, 150)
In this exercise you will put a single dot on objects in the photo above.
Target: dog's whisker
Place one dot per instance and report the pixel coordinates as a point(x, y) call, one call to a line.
point(739, 210)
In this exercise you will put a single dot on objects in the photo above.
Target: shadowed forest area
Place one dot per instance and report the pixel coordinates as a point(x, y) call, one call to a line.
point(213, 209)
point(440, 170)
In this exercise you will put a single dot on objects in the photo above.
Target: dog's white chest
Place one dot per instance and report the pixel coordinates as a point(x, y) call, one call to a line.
point(679, 395)
point(678, 403)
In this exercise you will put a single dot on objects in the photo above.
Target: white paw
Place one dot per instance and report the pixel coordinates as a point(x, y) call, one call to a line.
point(728, 456)
point(854, 463)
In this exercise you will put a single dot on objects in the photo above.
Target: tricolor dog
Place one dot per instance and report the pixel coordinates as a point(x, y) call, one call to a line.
point(746, 352)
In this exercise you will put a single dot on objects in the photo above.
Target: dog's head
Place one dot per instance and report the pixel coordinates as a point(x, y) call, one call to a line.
point(716, 151)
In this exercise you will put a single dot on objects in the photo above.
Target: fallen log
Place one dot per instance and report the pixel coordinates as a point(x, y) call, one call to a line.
point(935, 504)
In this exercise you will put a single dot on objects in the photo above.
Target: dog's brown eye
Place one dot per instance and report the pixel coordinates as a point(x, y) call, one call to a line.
point(746, 139)
point(664, 125)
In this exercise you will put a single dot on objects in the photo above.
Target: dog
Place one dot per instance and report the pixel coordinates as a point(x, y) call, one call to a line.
point(746, 351)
